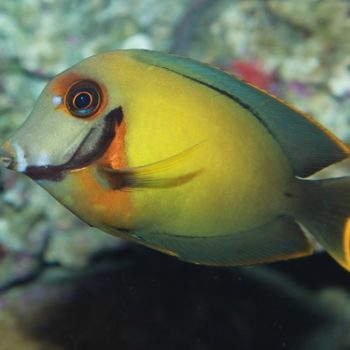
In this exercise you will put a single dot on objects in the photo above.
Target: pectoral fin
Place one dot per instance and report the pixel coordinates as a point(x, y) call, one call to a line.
point(155, 175)
point(279, 240)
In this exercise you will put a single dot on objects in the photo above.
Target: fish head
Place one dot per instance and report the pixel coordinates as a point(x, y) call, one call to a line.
point(71, 126)
point(76, 143)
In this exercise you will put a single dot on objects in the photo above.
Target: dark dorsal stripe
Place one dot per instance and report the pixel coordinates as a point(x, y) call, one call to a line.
point(222, 92)
point(307, 145)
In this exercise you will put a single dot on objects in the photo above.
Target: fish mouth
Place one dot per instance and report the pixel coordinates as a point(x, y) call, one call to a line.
point(100, 137)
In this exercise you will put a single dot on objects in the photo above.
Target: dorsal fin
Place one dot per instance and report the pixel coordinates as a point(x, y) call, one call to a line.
point(308, 146)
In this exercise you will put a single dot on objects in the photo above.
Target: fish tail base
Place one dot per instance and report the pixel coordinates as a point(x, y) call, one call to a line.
point(325, 212)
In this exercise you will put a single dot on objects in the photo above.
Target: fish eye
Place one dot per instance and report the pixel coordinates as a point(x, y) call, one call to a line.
point(83, 98)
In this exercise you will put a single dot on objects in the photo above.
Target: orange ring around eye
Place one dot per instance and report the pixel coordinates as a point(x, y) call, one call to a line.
point(83, 98)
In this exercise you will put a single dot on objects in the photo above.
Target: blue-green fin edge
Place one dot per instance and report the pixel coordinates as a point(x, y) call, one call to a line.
point(280, 239)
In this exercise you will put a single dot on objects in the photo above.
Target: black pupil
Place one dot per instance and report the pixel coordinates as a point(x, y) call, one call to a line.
point(83, 100)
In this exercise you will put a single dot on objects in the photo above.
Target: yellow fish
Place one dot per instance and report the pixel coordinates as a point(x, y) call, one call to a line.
point(186, 159)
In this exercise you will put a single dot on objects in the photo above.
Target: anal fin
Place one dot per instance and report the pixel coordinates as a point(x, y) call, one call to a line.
point(278, 240)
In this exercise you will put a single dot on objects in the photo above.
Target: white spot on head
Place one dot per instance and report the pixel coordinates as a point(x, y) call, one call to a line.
point(43, 159)
point(57, 100)
point(20, 159)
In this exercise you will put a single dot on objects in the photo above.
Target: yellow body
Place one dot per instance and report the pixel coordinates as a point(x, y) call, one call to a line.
point(205, 164)
point(241, 165)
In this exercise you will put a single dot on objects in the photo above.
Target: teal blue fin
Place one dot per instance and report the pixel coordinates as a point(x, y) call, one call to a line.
point(279, 240)
point(308, 146)
point(324, 209)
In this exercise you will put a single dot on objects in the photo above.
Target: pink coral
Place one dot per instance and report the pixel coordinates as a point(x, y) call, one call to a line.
point(253, 73)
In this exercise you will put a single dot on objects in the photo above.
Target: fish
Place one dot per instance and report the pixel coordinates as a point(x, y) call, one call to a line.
point(186, 159)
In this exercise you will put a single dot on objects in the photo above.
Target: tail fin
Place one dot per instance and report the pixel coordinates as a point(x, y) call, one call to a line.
point(325, 212)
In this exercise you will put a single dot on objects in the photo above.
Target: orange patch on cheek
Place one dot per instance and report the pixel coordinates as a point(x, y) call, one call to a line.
point(99, 205)
point(115, 156)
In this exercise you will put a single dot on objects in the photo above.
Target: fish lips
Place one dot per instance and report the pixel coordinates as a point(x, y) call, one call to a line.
point(93, 147)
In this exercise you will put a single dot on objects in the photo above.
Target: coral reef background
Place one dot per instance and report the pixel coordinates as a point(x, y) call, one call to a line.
point(64, 285)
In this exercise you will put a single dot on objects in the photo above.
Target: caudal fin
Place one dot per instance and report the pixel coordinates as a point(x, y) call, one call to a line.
point(325, 212)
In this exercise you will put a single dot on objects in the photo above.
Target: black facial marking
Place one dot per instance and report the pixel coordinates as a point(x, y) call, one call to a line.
point(82, 158)
point(117, 115)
